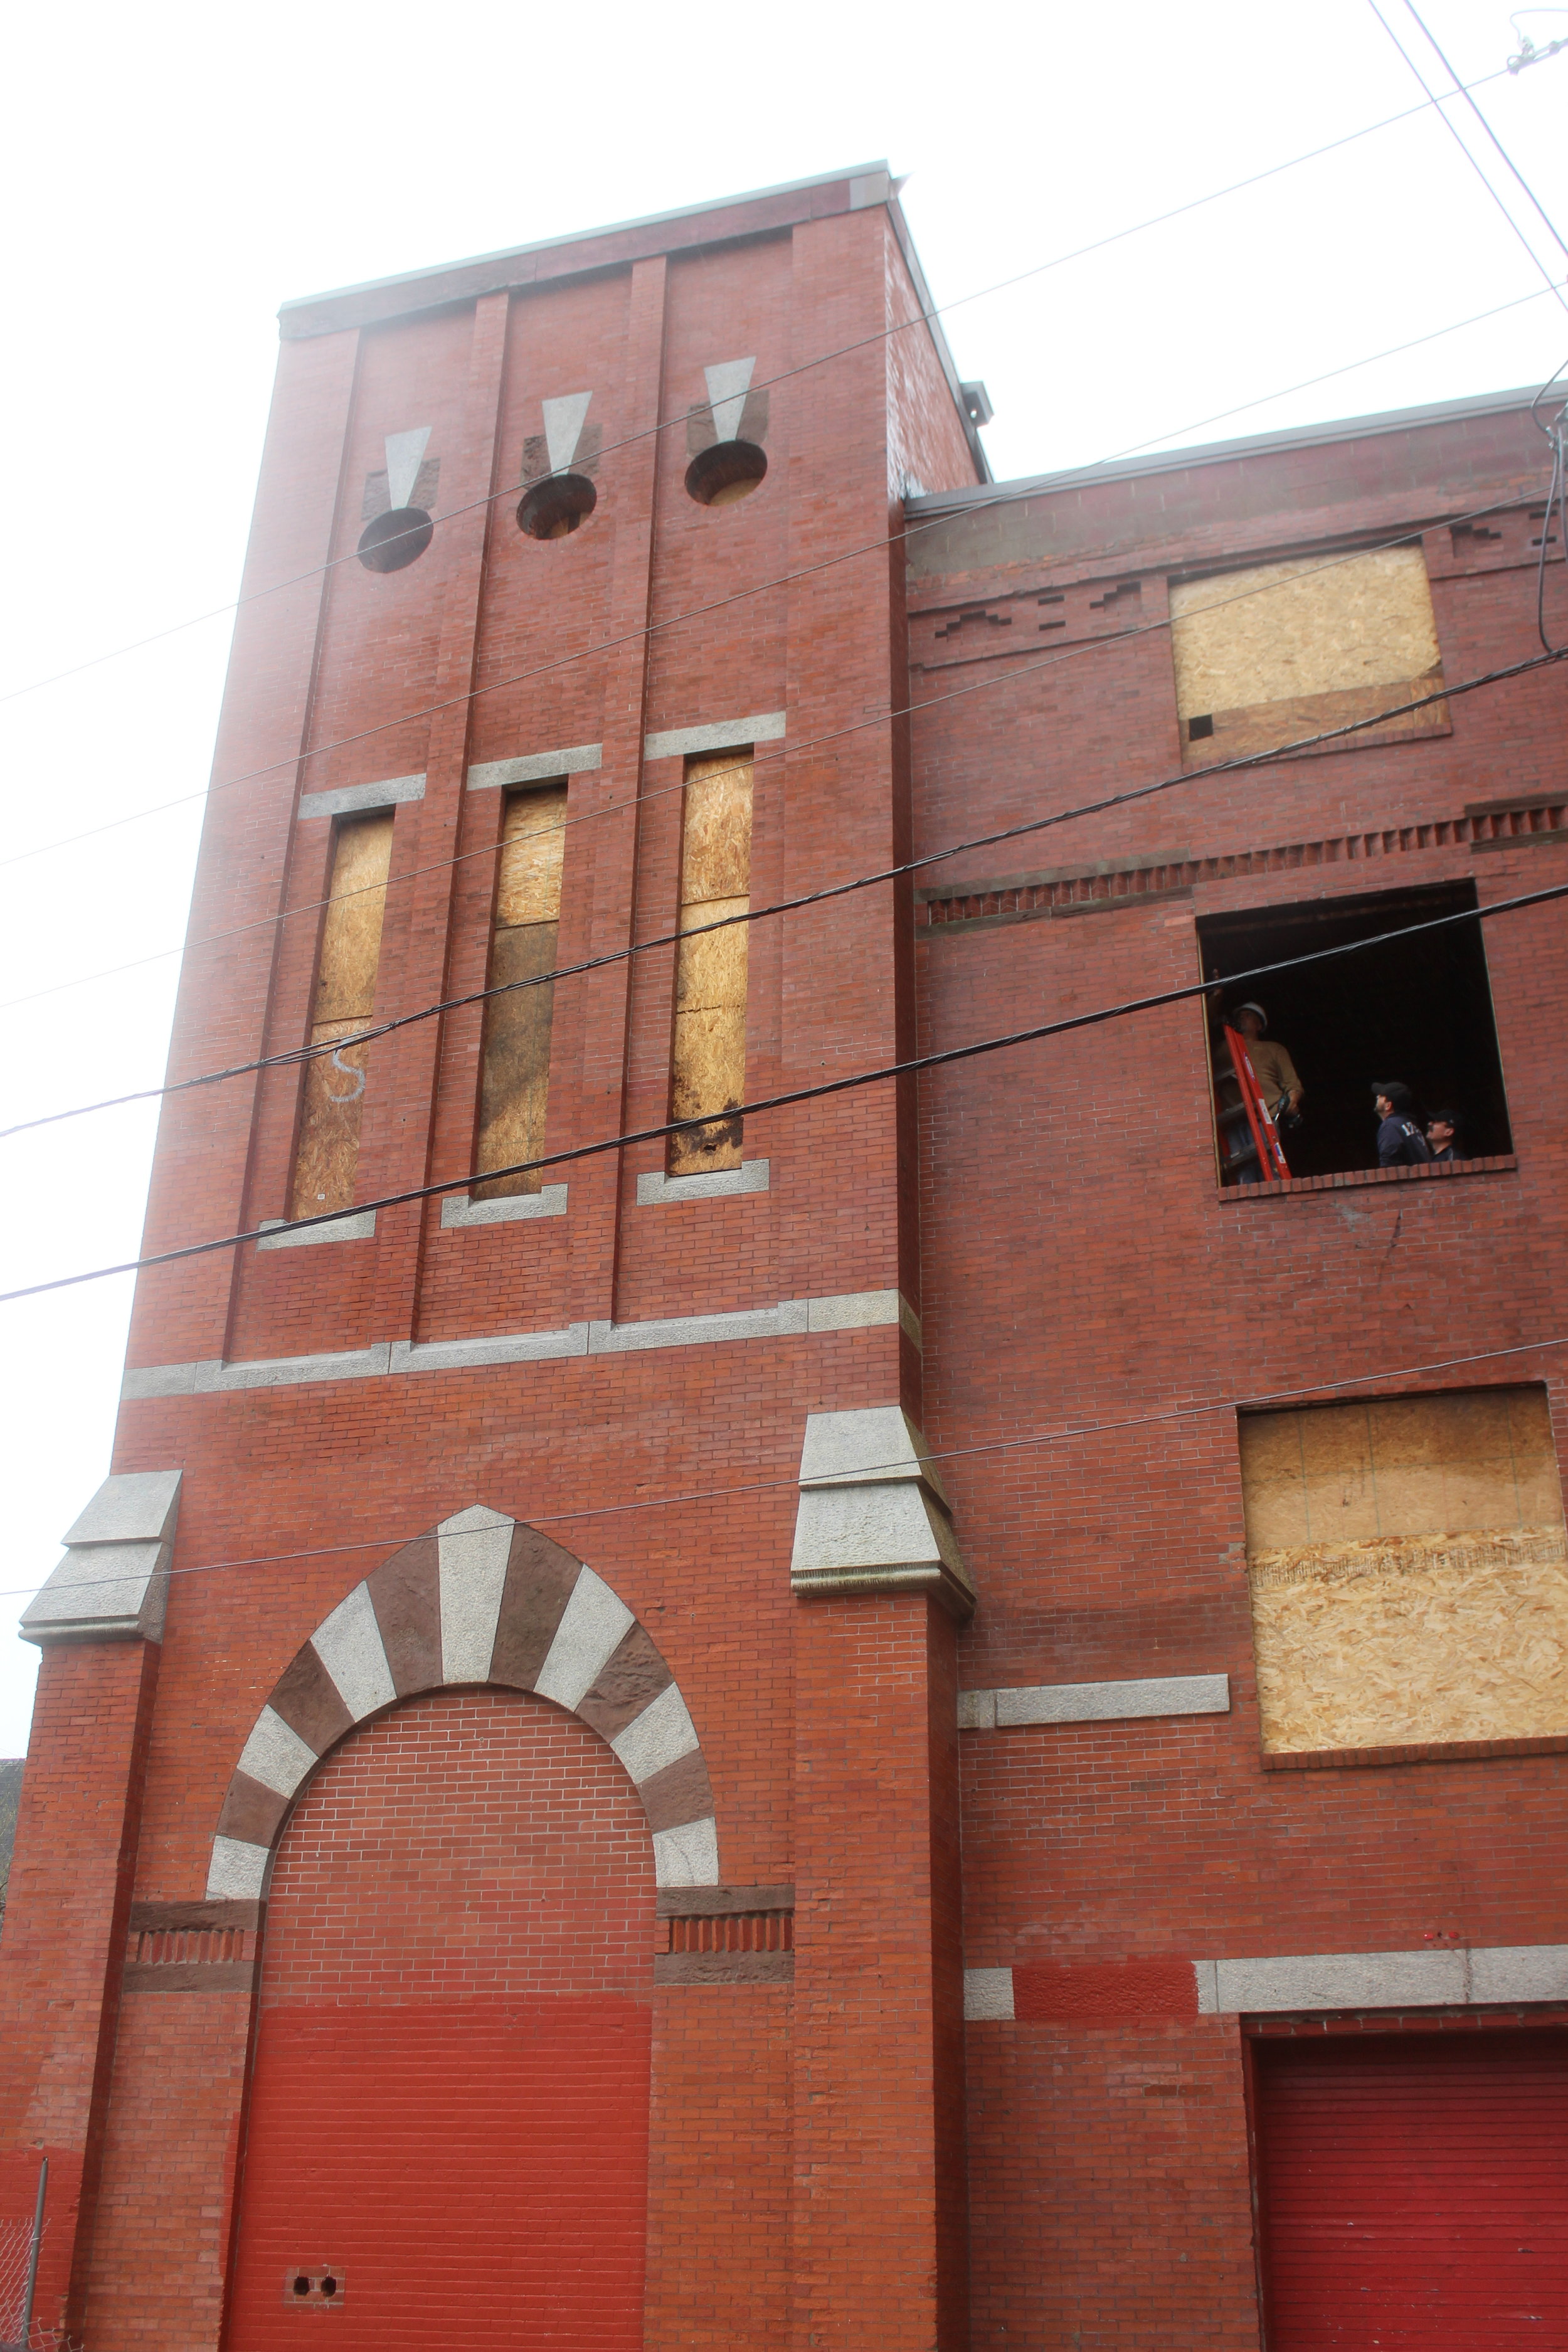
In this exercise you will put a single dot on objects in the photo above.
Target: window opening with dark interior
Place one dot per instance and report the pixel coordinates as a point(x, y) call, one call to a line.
point(1413, 1012)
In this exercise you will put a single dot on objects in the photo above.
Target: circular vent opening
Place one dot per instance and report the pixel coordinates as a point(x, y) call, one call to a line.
point(554, 507)
point(730, 470)
point(395, 539)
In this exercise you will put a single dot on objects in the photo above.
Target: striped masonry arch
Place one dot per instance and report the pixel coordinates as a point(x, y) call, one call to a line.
point(481, 1599)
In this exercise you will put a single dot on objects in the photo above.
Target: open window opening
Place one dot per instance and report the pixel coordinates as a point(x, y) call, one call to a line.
point(1415, 1013)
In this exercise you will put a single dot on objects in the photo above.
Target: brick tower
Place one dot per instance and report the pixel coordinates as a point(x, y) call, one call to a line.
point(600, 1983)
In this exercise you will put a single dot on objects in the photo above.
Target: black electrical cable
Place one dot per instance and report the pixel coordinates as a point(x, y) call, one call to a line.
point(1064, 1435)
point(295, 1055)
point(1453, 131)
point(610, 808)
point(1005, 493)
point(911, 1068)
point(902, 326)
point(1459, 90)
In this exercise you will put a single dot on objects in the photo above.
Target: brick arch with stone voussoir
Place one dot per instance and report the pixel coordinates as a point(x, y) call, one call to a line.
point(481, 1599)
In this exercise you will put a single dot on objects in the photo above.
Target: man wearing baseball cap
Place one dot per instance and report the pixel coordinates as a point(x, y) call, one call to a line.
point(1400, 1143)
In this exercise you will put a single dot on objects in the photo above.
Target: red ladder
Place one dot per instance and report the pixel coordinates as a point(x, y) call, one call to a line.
point(1265, 1134)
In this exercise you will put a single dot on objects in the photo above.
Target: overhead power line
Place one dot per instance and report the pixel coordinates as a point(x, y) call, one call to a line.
point(911, 1068)
point(922, 318)
point(1459, 90)
point(1064, 1435)
point(610, 808)
point(295, 1055)
point(1474, 162)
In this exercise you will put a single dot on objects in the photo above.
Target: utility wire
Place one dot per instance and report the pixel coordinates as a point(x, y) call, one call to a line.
point(909, 1067)
point(298, 1055)
point(1063, 1435)
point(1461, 92)
point(564, 661)
point(1453, 129)
point(940, 309)
point(610, 808)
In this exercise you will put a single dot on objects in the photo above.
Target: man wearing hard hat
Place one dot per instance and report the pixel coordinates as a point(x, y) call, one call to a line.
point(1271, 1062)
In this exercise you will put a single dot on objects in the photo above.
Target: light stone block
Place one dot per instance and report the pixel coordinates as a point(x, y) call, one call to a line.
point(404, 456)
point(855, 1310)
point(987, 1993)
point(1342, 1980)
point(134, 1507)
point(687, 1856)
point(1508, 1972)
point(239, 1872)
point(683, 1331)
point(349, 1646)
point(869, 1527)
point(876, 1443)
point(563, 420)
point(594, 1623)
point(292, 1371)
point(509, 1348)
point(1205, 1975)
point(655, 1190)
point(660, 1735)
point(275, 1755)
point(1114, 1702)
point(458, 1210)
point(277, 1232)
point(728, 383)
point(721, 735)
point(391, 791)
point(104, 1593)
point(977, 1710)
point(535, 767)
point(472, 1550)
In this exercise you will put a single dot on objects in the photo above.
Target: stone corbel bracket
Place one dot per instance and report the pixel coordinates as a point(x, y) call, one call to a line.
point(113, 1582)
point(873, 1517)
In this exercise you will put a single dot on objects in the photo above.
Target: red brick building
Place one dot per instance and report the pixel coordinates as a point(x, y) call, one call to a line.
point(920, 1717)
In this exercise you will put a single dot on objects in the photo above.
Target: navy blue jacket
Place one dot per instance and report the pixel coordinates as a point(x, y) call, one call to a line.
point(1400, 1143)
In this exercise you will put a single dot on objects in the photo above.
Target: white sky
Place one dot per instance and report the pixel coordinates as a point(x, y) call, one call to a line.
point(175, 172)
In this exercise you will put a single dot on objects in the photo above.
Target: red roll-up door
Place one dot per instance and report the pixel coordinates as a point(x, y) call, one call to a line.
point(1414, 2192)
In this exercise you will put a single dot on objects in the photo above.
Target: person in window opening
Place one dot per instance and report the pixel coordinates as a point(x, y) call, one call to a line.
point(1443, 1136)
point(1400, 1143)
point(1271, 1062)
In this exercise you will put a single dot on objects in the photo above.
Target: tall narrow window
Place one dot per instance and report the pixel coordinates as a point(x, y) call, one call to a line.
point(328, 1153)
point(515, 1079)
point(710, 1060)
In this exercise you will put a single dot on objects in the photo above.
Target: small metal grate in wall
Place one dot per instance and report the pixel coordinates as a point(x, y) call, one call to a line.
point(735, 1931)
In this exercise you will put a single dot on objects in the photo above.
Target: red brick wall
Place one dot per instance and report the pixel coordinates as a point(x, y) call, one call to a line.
point(450, 2093)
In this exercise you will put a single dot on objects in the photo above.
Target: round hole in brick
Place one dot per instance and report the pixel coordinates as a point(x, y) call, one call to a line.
point(301, 2284)
point(554, 507)
point(396, 539)
point(329, 2285)
point(728, 471)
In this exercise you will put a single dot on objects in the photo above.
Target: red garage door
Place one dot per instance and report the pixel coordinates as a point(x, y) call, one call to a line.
point(1414, 2192)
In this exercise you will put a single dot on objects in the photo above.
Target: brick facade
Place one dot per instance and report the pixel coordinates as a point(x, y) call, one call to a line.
point(513, 2015)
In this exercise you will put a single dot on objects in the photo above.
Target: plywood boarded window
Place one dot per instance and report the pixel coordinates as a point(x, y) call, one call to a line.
point(710, 1058)
point(514, 1083)
point(327, 1156)
point(1264, 656)
point(1407, 1568)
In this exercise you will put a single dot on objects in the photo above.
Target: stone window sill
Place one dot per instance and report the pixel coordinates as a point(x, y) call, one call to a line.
point(655, 1190)
point(277, 1232)
point(458, 1210)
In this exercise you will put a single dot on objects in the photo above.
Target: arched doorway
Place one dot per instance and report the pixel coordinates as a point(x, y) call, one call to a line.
point(448, 2120)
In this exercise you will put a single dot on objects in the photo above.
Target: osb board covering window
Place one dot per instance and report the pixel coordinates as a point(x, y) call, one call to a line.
point(333, 1099)
point(709, 1055)
point(1268, 656)
point(1408, 1574)
point(514, 1082)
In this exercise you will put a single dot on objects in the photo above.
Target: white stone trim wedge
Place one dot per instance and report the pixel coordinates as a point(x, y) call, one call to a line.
point(459, 1210)
point(350, 1646)
point(662, 1733)
point(239, 1872)
point(687, 1856)
point(594, 1622)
